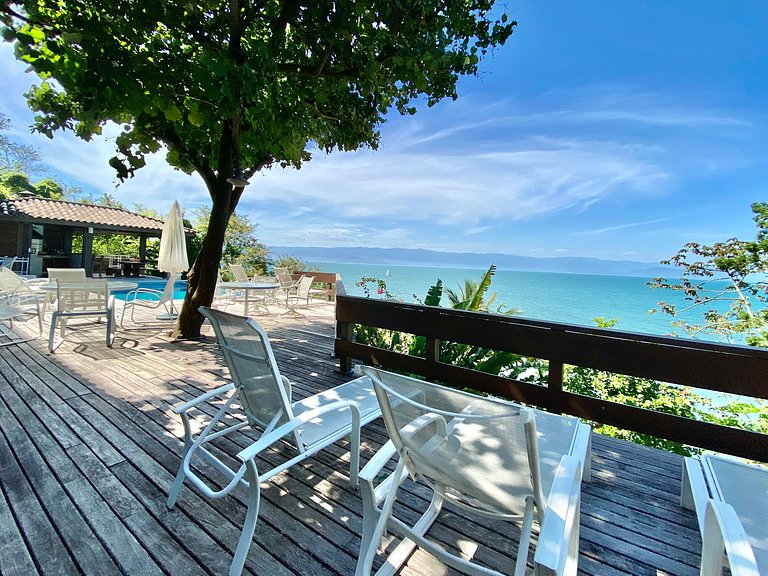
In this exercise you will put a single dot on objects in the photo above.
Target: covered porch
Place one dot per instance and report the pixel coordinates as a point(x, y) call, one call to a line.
point(59, 234)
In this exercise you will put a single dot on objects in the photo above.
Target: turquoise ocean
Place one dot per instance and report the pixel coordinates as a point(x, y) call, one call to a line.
point(556, 297)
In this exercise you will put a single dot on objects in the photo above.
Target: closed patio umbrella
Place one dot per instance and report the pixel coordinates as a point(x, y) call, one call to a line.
point(173, 247)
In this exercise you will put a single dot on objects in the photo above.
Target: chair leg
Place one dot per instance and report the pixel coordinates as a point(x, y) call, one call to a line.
point(371, 537)
point(178, 483)
point(52, 333)
point(122, 316)
point(249, 526)
point(110, 329)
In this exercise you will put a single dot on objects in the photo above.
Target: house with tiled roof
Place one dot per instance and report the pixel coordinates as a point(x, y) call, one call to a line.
point(43, 229)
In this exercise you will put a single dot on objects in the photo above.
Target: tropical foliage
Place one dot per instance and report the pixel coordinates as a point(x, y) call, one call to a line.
point(731, 272)
point(240, 244)
point(630, 390)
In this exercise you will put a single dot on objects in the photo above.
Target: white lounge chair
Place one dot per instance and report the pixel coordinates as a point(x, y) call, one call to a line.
point(744, 487)
point(88, 298)
point(17, 299)
point(260, 398)
point(485, 456)
point(164, 298)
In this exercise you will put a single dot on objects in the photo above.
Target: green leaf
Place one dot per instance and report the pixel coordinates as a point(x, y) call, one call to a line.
point(195, 118)
point(172, 114)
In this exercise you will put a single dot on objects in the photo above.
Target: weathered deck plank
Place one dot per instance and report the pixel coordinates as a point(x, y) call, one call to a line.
point(89, 446)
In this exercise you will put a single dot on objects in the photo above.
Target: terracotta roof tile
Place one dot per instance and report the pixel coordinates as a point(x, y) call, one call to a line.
point(74, 213)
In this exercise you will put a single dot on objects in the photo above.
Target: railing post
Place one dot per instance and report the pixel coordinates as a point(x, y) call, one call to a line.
point(555, 381)
point(344, 331)
point(432, 353)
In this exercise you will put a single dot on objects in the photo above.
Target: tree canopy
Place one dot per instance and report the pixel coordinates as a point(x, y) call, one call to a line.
point(241, 85)
point(731, 272)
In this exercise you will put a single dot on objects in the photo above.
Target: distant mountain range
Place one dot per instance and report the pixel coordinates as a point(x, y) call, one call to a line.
point(418, 257)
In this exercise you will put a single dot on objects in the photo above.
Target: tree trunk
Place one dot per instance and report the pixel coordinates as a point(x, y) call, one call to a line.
point(202, 277)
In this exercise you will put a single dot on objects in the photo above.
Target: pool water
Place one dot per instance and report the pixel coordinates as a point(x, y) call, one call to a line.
point(180, 288)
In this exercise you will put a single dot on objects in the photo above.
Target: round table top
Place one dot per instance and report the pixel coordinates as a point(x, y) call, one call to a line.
point(249, 285)
point(114, 285)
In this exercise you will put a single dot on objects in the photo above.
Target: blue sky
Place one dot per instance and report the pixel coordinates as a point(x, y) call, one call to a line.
point(614, 130)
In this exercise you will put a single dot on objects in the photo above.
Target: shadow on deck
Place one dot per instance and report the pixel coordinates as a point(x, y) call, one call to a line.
point(89, 447)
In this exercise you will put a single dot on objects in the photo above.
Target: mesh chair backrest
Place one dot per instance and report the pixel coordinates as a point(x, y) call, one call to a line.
point(82, 296)
point(481, 453)
point(10, 281)
point(239, 272)
point(284, 277)
point(8, 262)
point(252, 367)
point(305, 283)
point(66, 274)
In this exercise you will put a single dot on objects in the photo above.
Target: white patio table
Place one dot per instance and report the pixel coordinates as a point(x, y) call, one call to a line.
point(246, 288)
point(114, 285)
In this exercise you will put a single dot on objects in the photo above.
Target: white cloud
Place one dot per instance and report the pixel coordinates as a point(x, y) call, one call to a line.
point(618, 227)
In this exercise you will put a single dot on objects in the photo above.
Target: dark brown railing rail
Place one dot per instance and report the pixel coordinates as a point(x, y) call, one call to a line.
point(717, 367)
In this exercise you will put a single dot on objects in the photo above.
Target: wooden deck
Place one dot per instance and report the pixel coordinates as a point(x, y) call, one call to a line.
point(89, 447)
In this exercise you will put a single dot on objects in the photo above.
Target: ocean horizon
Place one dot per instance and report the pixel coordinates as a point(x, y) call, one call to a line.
point(566, 297)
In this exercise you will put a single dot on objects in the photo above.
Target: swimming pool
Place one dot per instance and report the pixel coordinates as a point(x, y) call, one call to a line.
point(180, 288)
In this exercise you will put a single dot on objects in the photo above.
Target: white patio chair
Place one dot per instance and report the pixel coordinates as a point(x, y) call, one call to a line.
point(239, 272)
point(17, 299)
point(485, 456)
point(88, 298)
point(269, 296)
point(742, 486)
point(301, 294)
point(260, 398)
point(152, 299)
point(287, 284)
point(723, 531)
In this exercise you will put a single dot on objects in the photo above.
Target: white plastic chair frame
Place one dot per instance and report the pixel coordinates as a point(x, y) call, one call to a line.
point(544, 485)
point(163, 298)
point(730, 498)
point(723, 531)
point(260, 397)
point(17, 298)
point(88, 298)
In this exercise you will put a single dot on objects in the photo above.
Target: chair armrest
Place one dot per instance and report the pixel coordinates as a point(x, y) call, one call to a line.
point(558, 543)
point(373, 470)
point(694, 492)
point(298, 421)
point(203, 398)
point(138, 291)
point(377, 462)
point(723, 529)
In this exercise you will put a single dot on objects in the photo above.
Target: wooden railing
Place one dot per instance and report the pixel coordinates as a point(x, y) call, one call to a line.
point(717, 367)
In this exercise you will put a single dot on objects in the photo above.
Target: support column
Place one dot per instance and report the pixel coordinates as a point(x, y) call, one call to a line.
point(87, 258)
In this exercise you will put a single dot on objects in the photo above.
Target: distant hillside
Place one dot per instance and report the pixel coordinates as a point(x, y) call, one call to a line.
point(418, 257)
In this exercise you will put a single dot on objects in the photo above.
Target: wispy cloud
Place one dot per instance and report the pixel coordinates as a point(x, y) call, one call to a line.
point(618, 227)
